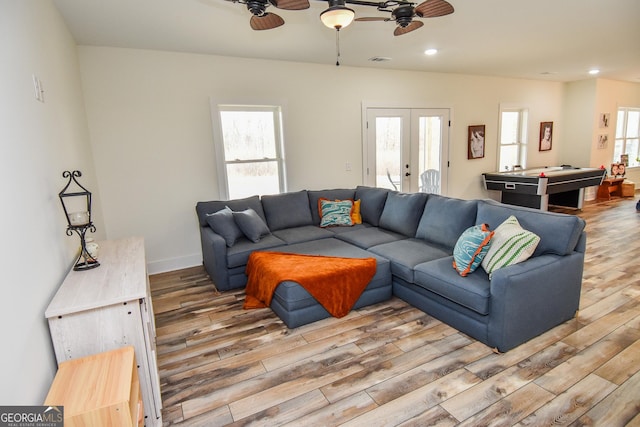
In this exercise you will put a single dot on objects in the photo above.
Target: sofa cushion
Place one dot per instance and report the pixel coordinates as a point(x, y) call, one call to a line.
point(335, 194)
point(402, 212)
point(445, 219)
point(204, 208)
point(305, 233)
point(336, 248)
point(335, 213)
point(238, 255)
point(222, 223)
point(287, 210)
point(372, 203)
point(471, 248)
point(511, 244)
point(406, 254)
point(366, 237)
point(340, 230)
point(559, 233)
point(252, 226)
point(472, 292)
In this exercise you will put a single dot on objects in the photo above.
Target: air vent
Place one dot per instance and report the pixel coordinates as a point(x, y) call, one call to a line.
point(379, 59)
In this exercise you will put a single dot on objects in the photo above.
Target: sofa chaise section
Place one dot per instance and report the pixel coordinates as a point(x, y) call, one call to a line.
point(296, 307)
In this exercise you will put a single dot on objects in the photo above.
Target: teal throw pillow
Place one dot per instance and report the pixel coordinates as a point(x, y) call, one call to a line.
point(335, 213)
point(471, 247)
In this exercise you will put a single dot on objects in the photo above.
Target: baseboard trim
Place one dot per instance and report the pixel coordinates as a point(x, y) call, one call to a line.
point(162, 266)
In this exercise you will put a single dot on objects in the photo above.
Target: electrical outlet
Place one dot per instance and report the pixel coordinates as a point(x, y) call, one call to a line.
point(347, 166)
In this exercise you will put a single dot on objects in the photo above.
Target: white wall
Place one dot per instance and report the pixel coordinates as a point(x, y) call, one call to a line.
point(584, 102)
point(38, 142)
point(578, 110)
point(611, 95)
point(150, 126)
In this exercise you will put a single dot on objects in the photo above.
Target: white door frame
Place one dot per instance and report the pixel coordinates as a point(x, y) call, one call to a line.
point(369, 155)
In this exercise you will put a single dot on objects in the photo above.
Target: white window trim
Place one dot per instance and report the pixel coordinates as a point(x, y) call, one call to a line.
point(624, 137)
point(278, 108)
point(522, 149)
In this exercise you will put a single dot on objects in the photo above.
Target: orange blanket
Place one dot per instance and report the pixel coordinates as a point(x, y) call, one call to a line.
point(334, 281)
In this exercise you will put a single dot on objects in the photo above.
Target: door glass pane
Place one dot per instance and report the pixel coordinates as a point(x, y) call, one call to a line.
point(248, 179)
point(429, 138)
point(388, 152)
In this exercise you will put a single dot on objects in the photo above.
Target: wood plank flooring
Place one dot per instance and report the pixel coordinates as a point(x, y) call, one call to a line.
point(391, 364)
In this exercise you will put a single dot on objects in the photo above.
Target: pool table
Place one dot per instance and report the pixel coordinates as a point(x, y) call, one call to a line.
point(540, 187)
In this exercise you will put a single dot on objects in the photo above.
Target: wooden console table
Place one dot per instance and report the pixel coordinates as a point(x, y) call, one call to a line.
point(109, 307)
point(610, 187)
point(100, 390)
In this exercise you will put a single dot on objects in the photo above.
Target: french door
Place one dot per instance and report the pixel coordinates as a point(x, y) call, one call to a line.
point(407, 149)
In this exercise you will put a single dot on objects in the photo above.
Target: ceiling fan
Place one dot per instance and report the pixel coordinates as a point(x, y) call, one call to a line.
point(263, 20)
point(403, 13)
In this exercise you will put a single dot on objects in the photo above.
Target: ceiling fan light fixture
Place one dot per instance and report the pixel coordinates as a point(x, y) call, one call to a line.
point(337, 16)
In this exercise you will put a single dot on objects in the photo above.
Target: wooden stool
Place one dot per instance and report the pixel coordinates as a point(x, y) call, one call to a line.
point(99, 390)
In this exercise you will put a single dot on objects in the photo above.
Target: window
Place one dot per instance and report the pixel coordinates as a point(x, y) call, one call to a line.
point(513, 138)
point(249, 150)
point(627, 135)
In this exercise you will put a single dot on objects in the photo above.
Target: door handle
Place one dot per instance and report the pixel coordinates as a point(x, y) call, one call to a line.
point(407, 174)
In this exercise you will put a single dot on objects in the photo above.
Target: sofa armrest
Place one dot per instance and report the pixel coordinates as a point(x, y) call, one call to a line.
point(532, 297)
point(214, 257)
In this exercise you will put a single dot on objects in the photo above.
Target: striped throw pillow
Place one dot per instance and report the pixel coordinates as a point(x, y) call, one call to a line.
point(510, 245)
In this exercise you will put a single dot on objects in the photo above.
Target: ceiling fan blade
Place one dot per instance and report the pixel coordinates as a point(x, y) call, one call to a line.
point(372, 18)
point(266, 21)
point(291, 4)
point(414, 25)
point(434, 8)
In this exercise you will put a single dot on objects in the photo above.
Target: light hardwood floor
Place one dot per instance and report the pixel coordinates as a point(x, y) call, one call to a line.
point(391, 364)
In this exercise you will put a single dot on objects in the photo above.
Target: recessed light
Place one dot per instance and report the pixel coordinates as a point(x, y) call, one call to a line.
point(430, 52)
point(594, 71)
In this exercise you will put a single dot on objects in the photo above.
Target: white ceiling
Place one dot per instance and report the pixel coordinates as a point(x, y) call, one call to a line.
point(556, 40)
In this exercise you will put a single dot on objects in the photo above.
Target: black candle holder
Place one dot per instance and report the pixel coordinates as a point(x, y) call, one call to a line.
point(78, 222)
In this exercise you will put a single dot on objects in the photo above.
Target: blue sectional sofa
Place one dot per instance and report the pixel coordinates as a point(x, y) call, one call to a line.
point(412, 236)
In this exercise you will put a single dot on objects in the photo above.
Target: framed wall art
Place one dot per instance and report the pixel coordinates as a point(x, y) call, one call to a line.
point(603, 140)
point(475, 142)
point(546, 136)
